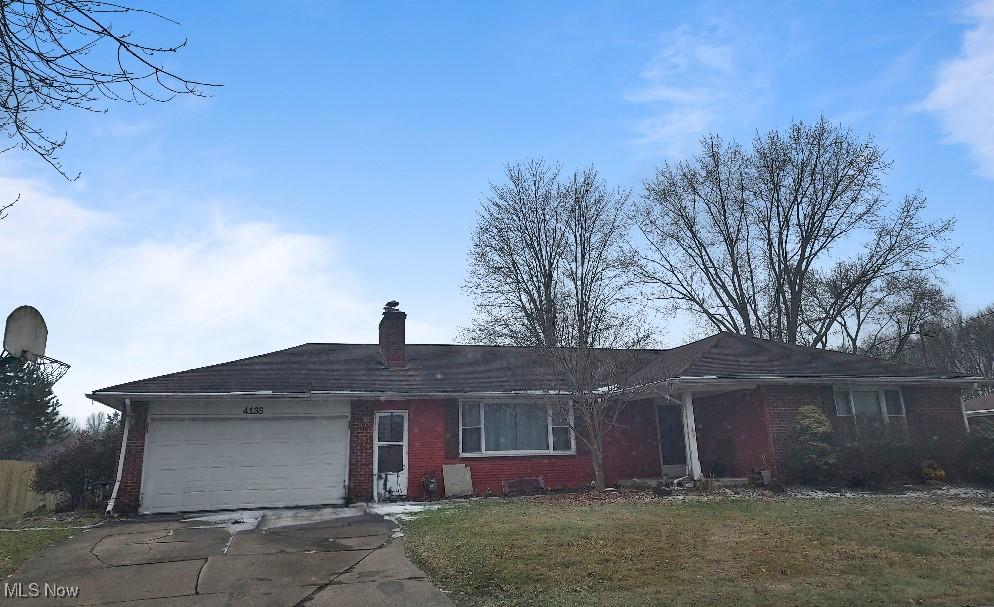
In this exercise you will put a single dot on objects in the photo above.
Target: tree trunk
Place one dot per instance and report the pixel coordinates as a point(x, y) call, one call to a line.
point(597, 459)
point(597, 456)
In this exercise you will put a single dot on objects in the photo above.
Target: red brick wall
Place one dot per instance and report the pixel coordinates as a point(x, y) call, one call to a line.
point(732, 438)
point(129, 491)
point(782, 402)
point(932, 412)
point(361, 451)
point(632, 451)
point(392, 348)
point(426, 452)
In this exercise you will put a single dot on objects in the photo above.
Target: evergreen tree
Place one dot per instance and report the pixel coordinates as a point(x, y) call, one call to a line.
point(810, 456)
point(29, 410)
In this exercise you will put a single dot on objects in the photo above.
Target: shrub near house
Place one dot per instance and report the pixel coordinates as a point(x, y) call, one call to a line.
point(978, 454)
point(876, 454)
point(83, 469)
point(810, 456)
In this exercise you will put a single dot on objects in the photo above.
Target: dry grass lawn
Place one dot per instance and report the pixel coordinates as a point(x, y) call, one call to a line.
point(22, 538)
point(838, 551)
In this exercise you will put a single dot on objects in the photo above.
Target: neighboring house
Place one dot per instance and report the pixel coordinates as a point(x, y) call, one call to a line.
point(327, 423)
point(980, 409)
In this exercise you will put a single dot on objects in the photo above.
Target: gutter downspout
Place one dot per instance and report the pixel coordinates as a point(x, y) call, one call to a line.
point(120, 460)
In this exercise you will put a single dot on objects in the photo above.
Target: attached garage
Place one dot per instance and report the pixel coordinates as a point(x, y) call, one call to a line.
point(253, 460)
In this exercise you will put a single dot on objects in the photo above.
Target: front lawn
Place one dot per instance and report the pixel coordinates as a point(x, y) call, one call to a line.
point(22, 538)
point(835, 551)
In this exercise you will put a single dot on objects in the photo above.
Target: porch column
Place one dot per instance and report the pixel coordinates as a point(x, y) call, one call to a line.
point(690, 436)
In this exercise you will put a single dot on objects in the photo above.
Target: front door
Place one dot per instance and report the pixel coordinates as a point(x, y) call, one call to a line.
point(672, 448)
point(390, 454)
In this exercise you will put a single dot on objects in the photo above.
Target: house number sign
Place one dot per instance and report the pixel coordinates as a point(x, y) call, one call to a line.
point(252, 411)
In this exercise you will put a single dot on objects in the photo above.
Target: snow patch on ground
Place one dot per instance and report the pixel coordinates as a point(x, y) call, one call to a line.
point(247, 520)
point(400, 511)
point(303, 516)
point(235, 521)
point(909, 493)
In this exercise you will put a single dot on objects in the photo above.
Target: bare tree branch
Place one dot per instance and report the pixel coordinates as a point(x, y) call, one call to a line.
point(785, 241)
point(549, 269)
point(66, 53)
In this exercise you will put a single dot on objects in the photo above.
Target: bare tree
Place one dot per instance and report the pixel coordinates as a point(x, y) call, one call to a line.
point(549, 270)
point(956, 342)
point(601, 383)
point(599, 341)
point(785, 240)
point(979, 331)
point(890, 314)
point(67, 53)
point(698, 231)
point(516, 258)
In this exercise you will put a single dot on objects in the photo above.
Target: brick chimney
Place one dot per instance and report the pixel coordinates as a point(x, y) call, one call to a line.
point(392, 336)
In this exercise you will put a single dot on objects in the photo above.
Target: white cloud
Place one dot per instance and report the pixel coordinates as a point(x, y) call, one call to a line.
point(125, 128)
point(695, 79)
point(42, 231)
point(120, 308)
point(963, 97)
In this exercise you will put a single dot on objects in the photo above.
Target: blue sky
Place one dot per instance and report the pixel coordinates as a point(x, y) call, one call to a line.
point(341, 163)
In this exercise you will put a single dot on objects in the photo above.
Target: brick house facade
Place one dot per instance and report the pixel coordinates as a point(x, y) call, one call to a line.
point(297, 426)
point(738, 432)
point(128, 491)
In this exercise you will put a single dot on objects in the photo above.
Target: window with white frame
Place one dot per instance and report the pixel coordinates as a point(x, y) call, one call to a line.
point(514, 428)
point(869, 404)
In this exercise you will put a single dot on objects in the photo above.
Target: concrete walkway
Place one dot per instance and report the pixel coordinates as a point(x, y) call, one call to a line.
point(333, 557)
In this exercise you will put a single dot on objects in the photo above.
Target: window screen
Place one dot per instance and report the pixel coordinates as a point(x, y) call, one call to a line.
point(893, 401)
point(390, 428)
point(472, 430)
point(515, 427)
point(866, 403)
point(390, 458)
point(562, 438)
point(842, 403)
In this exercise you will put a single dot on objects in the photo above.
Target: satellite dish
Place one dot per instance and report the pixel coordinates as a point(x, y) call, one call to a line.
point(25, 334)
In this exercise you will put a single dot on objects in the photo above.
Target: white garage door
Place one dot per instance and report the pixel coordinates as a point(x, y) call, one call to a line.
point(214, 463)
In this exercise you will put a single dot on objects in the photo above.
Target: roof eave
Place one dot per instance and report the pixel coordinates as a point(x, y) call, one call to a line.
point(108, 398)
point(980, 413)
point(824, 379)
point(116, 399)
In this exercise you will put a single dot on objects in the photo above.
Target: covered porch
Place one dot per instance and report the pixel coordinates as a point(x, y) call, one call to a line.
point(718, 432)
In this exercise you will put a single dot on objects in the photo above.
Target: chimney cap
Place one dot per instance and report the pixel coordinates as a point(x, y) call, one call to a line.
point(390, 310)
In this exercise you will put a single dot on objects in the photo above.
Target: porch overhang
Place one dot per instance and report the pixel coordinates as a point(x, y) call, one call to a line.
point(719, 383)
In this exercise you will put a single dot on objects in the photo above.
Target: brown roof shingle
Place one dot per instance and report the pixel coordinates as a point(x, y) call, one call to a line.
point(315, 367)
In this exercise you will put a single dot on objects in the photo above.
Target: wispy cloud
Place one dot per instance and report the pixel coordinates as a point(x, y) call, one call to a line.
point(695, 79)
point(963, 97)
point(126, 128)
point(223, 289)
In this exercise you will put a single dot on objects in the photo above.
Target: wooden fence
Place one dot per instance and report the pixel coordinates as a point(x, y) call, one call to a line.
point(16, 496)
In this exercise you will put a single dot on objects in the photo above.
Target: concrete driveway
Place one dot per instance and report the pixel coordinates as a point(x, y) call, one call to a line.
point(314, 558)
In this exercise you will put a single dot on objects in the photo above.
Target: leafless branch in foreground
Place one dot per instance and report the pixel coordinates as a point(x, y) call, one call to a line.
point(67, 53)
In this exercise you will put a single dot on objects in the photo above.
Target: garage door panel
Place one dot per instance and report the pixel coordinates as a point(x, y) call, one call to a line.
point(210, 463)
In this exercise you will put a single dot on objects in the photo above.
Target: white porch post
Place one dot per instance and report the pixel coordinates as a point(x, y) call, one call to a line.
point(962, 408)
point(690, 436)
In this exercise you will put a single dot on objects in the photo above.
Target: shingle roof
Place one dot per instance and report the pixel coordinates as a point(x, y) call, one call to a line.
point(320, 367)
